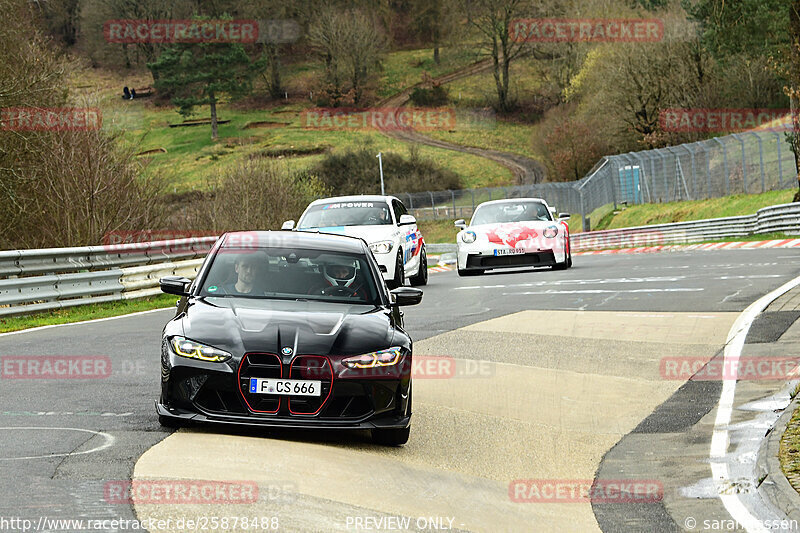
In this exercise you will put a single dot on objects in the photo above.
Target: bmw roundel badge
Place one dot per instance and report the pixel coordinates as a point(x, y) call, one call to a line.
point(287, 351)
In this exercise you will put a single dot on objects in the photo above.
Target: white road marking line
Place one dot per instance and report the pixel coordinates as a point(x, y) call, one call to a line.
point(38, 328)
point(720, 438)
point(108, 442)
point(600, 291)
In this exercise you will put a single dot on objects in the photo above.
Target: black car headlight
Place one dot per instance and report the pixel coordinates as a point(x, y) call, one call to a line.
point(194, 350)
point(388, 357)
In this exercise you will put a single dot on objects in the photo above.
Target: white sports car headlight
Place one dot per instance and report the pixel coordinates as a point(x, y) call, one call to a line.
point(382, 247)
point(550, 232)
point(468, 237)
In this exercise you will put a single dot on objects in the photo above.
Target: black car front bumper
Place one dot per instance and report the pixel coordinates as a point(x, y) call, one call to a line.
point(218, 393)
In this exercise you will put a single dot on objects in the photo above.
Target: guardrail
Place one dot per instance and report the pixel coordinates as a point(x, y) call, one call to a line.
point(55, 278)
point(773, 219)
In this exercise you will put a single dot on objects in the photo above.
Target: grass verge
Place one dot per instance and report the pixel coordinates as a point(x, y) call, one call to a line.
point(727, 206)
point(86, 312)
point(789, 451)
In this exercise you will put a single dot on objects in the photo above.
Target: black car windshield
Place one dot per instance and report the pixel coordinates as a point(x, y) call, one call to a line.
point(291, 274)
point(510, 212)
point(346, 214)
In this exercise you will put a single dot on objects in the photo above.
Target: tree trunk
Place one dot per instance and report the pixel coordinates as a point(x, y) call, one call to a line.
point(436, 54)
point(213, 105)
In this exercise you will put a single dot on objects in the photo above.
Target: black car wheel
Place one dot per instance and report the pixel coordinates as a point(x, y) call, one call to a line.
point(399, 273)
point(421, 277)
point(391, 437)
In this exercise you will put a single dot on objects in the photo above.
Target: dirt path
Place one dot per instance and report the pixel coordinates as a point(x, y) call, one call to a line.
point(525, 169)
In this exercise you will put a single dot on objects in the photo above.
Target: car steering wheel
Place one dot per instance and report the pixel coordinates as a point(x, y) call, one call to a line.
point(338, 290)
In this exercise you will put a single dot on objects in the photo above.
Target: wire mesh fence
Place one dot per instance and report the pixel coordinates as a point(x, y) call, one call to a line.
point(742, 163)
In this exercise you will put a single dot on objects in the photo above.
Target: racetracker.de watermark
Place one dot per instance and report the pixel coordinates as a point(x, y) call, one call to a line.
point(564, 30)
point(705, 120)
point(177, 492)
point(379, 118)
point(735, 368)
point(586, 491)
point(130, 31)
point(55, 367)
point(50, 118)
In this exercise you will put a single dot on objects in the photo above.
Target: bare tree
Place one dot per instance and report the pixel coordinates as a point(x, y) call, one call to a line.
point(351, 44)
point(493, 21)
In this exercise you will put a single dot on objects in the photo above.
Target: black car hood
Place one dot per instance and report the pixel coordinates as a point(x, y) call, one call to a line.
point(240, 325)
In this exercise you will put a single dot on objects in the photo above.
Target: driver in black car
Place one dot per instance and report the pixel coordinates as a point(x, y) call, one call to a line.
point(246, 268)
point(340, 279)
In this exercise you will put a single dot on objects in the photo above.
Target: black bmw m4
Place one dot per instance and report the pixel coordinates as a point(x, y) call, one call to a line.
point(288, 329)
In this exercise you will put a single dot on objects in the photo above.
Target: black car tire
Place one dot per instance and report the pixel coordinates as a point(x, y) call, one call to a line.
point(169, 422)
point(391, 437)
point(421, 277)
point(569, 260)
point(399, 273)
point(469, 272)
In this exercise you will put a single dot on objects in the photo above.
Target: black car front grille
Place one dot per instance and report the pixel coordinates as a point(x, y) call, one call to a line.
point(260, 365)
point(311, 367)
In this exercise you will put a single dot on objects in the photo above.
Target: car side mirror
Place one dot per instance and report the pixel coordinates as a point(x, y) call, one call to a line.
point(563, 216)
point(406, 296)
point(288, 225)
point(405, 220)
point(175, 285)
point(460, 223)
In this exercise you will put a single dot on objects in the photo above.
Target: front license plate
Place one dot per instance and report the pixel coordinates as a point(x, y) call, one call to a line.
point(287, 387)
point(509, 251)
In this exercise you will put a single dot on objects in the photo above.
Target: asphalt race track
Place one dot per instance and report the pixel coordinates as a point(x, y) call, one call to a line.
point(526, 375)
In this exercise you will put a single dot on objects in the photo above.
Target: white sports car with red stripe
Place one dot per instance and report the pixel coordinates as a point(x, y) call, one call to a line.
point(513, 233)
point(383, 222)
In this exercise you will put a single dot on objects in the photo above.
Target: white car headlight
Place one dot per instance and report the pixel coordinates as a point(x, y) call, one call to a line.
point(550, 232)
point(468, 237)
point(382, 247)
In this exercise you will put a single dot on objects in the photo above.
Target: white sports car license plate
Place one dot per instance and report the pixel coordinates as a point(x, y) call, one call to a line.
point(289, 387)
point(509, 251)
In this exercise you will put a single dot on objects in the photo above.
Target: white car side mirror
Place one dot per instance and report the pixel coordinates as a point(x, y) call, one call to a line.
point(406, 220)
point(460, 223)
point(563, 216)
point(288, 225)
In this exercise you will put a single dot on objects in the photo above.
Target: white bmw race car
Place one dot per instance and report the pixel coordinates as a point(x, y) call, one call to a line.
point(383, 222)
point(513, 233)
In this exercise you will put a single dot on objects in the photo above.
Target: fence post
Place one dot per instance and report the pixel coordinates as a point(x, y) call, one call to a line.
point(744, 162)
point(433, 205)
point(780, 163)
point(724, 163)
point(583, 212)
point(453, 196)
point(760, 160)
point(473, 199)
